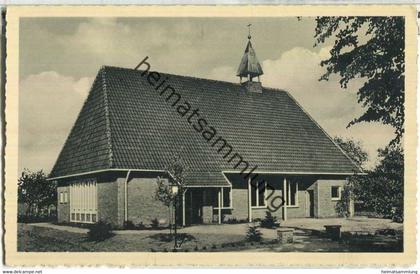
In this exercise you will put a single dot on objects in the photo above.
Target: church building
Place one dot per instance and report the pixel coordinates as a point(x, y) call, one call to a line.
point(247, 149)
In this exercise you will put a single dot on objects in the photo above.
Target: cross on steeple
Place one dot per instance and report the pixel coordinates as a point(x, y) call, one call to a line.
point(249, 31)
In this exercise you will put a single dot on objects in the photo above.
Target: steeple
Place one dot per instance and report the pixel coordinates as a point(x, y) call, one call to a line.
point(249, 66)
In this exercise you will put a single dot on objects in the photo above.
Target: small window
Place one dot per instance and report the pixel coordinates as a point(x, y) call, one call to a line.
point(94, 218)
point(335, 192)
point(77, 216)
point(73, 216)
point(63, 197)
point(87, 217)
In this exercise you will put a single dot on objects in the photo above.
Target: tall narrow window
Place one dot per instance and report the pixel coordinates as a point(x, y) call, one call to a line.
point(83, 201)
point(258, 194)
point(226, 198)
point(292, 193)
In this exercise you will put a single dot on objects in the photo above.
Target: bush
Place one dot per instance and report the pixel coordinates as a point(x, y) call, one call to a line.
point(36, 219)
point(100, 231)
point(140, 226)
point(397, 214)
point(235, 221)
point(166, 237)
point(232, 221)
point(129, 225)
point(269, 221)
point(253, 234)
point(155, 223)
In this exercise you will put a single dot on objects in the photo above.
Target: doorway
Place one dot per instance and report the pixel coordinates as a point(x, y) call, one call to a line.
point(311, 204)
point(194, 205)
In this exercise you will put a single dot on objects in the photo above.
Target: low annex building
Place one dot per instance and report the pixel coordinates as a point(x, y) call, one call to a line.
point(239, 140)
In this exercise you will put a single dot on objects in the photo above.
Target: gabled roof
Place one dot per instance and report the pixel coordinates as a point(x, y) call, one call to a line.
point(249, 63)
point(126, 124)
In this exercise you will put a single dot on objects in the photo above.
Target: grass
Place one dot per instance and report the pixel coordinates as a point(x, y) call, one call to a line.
point(40, 239)
point(209, 238)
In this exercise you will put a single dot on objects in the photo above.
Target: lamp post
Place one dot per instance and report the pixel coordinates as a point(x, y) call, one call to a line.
point(175, 190)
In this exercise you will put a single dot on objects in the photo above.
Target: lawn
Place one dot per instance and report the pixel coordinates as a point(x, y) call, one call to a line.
point(308, 237)
point(42, 239)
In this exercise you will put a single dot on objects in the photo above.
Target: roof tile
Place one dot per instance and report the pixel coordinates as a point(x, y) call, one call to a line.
point(126, 124)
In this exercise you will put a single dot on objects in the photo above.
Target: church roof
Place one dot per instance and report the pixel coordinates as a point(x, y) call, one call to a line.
point(249, 63)
point(125, 124)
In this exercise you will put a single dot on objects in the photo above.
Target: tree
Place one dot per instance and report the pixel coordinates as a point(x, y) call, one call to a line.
point(382, 190)
point(353, 149)
point(370, 48)
point(176, 169)
point(357, 154)
point(36, 192)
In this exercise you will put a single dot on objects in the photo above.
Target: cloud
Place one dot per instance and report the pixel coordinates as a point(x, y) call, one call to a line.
point(53, 90)
point(120, 43)
point(224, 73)
point(297, 71)
point(50, 103)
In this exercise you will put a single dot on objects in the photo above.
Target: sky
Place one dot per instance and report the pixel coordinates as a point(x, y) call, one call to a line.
point(59, 58)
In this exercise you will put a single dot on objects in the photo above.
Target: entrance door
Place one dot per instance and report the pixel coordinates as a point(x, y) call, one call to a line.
point(311, 205)
point(196, 203)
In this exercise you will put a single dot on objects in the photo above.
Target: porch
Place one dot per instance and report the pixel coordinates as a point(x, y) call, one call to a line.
point(245, 200)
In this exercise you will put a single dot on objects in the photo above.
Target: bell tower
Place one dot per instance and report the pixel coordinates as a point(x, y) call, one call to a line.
point(250, 67)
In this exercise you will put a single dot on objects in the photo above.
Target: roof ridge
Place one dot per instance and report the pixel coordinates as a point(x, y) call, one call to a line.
point(107, 121)
point(176, 75)
point(193, 77)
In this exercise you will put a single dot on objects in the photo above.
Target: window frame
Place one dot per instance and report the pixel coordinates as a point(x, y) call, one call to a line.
point(83, 200)
point(230, 206)
point(61, 197)
point(289, 193)
point(257, 194)
point(338, 192)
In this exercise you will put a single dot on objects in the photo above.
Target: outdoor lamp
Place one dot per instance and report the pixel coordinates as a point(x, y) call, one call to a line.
point(175, 189)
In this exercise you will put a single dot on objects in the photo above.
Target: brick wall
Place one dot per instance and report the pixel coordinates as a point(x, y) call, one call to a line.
point(326, 205)
point(120, 200)
point(240, 204)
point(63, 209)
point(301, 210)
point(108, 201)
point(142, 205)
